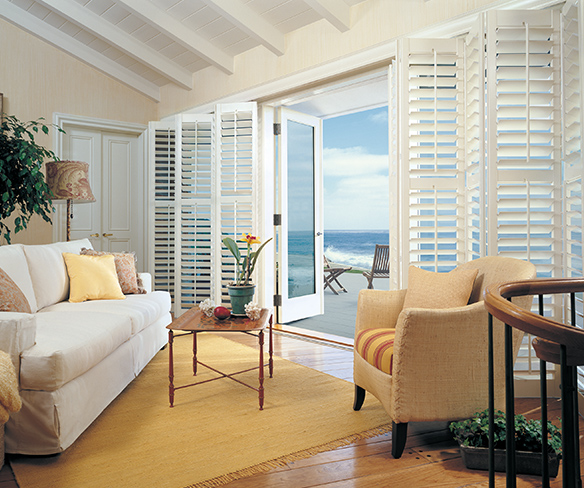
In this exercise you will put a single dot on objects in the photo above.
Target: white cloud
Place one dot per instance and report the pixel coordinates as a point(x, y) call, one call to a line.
point(379, 117)
point(353, 161)
point(356, 189)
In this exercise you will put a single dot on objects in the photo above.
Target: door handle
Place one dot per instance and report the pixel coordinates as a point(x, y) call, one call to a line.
point(94, 235)
point(318, 234)
point(107, 235)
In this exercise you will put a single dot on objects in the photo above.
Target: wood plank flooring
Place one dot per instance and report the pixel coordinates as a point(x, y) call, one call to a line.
point(431, 457)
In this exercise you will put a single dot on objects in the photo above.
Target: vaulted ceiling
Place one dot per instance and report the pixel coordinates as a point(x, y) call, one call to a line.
point(147, 44)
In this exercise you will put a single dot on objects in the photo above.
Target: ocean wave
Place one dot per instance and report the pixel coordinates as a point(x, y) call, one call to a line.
point(348, 258)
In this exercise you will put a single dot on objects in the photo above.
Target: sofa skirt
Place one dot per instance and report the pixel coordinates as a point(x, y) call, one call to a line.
point(50, 421)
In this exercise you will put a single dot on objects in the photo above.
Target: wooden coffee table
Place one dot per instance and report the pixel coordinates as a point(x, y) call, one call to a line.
point(194, 321)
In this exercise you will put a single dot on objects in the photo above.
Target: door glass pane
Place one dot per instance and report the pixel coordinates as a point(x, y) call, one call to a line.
point(301, 258)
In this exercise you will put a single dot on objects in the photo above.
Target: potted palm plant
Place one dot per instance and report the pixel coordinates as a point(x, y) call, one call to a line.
point(241, 291)
point(23, 188)
point(472, 436)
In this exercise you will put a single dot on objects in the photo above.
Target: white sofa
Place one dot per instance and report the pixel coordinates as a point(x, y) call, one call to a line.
point(72, 359)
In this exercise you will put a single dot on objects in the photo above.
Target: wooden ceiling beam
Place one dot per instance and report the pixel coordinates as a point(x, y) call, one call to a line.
point(337, 12)
point(37, 27)
point(121, 40)
point(251, 23)
point(177, 31)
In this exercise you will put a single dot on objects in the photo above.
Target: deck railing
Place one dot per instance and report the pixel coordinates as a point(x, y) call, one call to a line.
point(554, 342)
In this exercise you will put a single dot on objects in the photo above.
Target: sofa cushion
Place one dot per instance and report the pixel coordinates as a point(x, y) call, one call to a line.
point(142, 310)
point(68, 344)
point(376, 347)
point(92, 278)
point(13, 261)
point(48, 270)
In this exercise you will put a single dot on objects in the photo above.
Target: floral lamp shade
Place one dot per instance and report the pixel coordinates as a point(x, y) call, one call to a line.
point(69, 180)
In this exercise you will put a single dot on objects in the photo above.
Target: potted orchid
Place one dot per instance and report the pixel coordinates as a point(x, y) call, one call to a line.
point(242, 290)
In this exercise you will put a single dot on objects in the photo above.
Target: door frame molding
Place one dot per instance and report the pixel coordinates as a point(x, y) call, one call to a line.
point(78, 121)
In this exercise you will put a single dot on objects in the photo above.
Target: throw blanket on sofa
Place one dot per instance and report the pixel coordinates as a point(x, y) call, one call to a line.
point(9, 397)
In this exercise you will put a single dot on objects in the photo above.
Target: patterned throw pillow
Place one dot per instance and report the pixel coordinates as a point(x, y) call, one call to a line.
point(11, 297)
point(125, 267)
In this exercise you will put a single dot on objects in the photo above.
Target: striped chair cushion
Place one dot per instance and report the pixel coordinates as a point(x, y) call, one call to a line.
point(376, 347)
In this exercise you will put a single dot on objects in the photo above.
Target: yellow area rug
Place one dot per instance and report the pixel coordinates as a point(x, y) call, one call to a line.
point(215, 433)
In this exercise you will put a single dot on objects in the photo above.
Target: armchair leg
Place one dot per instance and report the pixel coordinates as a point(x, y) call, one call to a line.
point(399, 435)
point(359, 397)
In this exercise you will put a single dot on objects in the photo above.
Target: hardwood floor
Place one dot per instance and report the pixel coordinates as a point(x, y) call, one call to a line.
point(431, 457)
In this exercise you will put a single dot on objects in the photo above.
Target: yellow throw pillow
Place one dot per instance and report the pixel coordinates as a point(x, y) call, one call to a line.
point(427, 289)
point(92, 278)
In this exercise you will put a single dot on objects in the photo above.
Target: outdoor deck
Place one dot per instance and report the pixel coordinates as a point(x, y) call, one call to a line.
point(340, 310)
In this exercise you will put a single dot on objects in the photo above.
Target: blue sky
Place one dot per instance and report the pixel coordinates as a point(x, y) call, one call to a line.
point(356, 171)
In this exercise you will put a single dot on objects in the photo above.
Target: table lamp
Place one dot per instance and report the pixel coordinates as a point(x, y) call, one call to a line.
point(69, 181)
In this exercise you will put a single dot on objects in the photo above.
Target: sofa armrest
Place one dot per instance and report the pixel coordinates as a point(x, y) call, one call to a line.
point(17, 333)
point(378, 309)
point(146, 281)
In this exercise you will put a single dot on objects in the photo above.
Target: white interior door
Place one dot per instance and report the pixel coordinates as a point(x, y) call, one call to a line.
point(85, 145)
point(122, 212)
point(115, 222)
point(300, 202)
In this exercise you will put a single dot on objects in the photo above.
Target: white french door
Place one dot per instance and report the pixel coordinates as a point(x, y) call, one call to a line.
point(300, 203)
point(115, 222)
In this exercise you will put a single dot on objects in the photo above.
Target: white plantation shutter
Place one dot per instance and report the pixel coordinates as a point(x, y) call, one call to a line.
point(162, 196)
point(476, 237)
point(572, 154)
point(236, 156)
point(194, 245)
point(202, 175)
point(430, 141)
point(523, 147)
point(395, 209)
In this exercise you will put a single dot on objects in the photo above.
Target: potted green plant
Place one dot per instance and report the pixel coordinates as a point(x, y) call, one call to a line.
point(242, 290)
point(473, 438)
point(23, 188)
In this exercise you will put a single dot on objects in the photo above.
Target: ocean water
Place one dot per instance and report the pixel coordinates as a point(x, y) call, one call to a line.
point(353, 247)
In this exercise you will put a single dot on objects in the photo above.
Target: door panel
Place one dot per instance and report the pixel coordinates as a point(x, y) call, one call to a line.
point(85, 145)
point(122, 194)
point(115, 222)
point(300, 193)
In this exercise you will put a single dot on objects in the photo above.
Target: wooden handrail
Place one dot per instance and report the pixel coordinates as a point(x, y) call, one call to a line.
point(562, 344)
point(497, 303)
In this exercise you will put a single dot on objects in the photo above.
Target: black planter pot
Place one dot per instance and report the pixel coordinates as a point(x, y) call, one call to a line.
point(526, 462)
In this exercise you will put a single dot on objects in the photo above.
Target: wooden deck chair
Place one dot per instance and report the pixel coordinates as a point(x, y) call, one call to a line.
point(380, 267)
point(332, 273)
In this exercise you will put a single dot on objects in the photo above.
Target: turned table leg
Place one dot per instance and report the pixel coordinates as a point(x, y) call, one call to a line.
point(261, 388)
point(170, 369)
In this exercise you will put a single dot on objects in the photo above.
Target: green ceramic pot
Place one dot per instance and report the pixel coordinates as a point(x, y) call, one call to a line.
point(240, 296)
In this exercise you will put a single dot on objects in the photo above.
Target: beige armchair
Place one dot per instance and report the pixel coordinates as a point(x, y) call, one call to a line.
point(439, 364)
